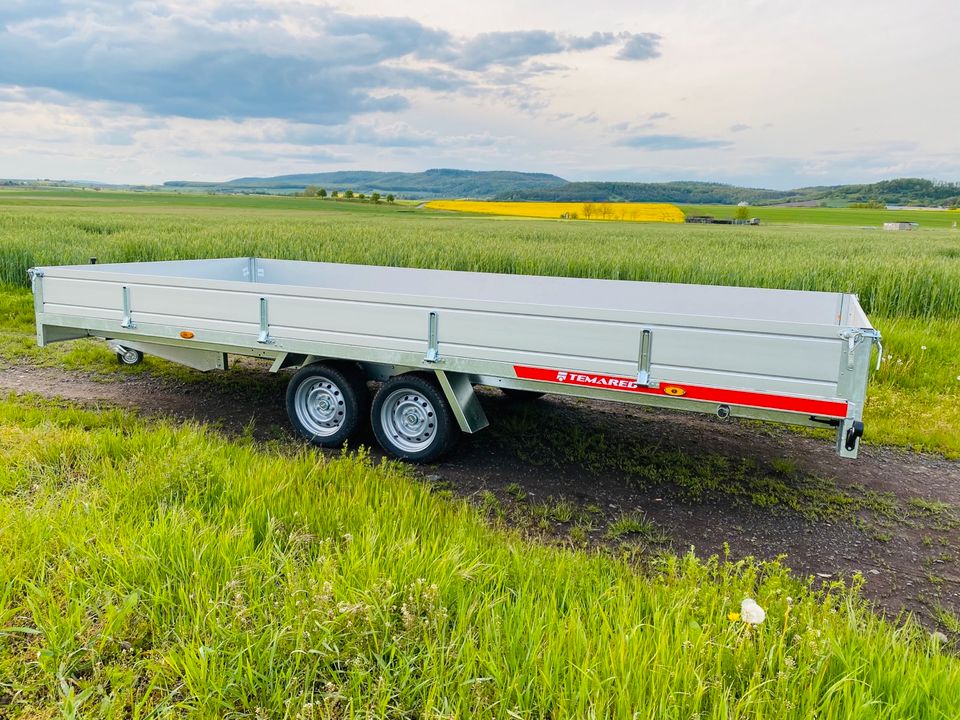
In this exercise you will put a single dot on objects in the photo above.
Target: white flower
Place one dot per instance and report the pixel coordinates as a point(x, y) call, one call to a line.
point(923, 347)
point(752, 613)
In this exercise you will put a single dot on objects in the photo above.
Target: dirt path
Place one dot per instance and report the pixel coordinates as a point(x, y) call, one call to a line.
point(695, 481)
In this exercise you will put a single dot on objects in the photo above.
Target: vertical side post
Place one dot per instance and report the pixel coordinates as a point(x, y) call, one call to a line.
point(643, 362)
point(433, 342)
point(127, 321)
point(36, 285)
point(264, 336)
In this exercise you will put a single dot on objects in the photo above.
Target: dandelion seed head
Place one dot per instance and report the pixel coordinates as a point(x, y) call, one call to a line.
point(752, 613)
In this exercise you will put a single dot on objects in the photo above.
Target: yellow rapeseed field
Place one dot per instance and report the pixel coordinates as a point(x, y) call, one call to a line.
point(635, 212)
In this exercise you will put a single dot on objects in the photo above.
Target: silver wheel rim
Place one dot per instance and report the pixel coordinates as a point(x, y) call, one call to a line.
point(130, 357)
point(409, 419)
point(320, 406)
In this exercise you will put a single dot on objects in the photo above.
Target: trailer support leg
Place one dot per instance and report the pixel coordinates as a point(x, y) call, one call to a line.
point(466, 408)
point(849, 433)
point(196, 358)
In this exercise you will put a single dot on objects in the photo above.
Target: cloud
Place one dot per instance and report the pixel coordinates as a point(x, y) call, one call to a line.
point(671, 142)
point(739, 127)
point(511, 49)
point(506, 48)
point(288, 60)
point(640, 46)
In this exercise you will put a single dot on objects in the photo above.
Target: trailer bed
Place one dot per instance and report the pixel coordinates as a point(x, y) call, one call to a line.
point(785, 355)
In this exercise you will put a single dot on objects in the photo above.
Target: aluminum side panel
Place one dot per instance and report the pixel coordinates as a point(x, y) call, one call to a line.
point(736, 359)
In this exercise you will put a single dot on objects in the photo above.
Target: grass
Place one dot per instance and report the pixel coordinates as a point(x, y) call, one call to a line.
point(636, 525)
point(897, 275)
point(233, 580)
point(859, 217)
point(909, 282)
point(545, 437)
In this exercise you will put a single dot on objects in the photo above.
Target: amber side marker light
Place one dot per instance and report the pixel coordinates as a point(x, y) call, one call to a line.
point(186, 334)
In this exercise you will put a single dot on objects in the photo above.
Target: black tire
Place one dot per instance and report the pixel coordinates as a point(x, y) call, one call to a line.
point(129, 356)
point(412, 419)
point(358, 381)
point(522, 395)
point(326, 404)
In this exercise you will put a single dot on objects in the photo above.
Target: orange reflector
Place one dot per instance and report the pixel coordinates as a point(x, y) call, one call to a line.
point(674, 390)
point(186, 334)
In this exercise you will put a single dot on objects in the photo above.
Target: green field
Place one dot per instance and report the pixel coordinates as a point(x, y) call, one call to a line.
point(909, 282)
point(232, 580)
point(859, 217)
point(149, 569)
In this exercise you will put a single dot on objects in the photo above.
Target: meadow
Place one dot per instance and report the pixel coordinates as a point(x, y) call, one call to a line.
point(855, 217)
point(152, 569)
point(908, 282)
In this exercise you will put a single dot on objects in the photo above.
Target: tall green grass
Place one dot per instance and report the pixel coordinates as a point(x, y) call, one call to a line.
point(909, 282)
point(895, 274)
point(159, 571)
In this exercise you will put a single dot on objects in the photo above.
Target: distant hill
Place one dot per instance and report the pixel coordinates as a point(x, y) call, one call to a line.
point(508, 185)
point(684, 192)
point(904, 191)
point(436, 183)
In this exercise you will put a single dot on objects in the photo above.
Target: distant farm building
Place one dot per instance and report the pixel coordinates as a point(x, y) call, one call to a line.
point(711, 220)
point(900, 225)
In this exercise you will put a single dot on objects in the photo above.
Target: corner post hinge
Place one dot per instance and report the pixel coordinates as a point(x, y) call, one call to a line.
point(854, 336)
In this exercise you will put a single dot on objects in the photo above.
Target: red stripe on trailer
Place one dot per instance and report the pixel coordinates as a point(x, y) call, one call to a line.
point(788, 403)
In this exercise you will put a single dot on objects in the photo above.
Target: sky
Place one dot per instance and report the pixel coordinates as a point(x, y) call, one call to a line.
point(766, 93)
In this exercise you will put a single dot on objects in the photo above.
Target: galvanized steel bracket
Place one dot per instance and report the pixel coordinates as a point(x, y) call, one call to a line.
point(264, 337)
point(854, 336)
point(127, 321)
point(643, 361)
point(433, 341)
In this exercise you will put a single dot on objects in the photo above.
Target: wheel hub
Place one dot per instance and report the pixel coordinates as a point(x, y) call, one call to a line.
point(320, 406)
point(410, 419)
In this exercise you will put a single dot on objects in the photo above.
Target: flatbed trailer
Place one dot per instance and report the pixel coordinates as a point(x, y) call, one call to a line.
point(430, 336)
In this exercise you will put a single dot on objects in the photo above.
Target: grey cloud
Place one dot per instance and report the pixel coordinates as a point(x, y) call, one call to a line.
point(506, 48)
point(671, 142)
point(12, 11)
point(241, 60)
point(514, 48)
point(739, 127)
point(395, 36)
point(641, 46)
point(593, 41)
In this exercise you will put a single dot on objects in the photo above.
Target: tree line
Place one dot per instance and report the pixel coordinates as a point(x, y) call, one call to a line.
point(313, 191)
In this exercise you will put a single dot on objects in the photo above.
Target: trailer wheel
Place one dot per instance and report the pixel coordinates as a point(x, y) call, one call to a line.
point(516, 395)
point(129, 356)
point(326, 404)
point(412, 419)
